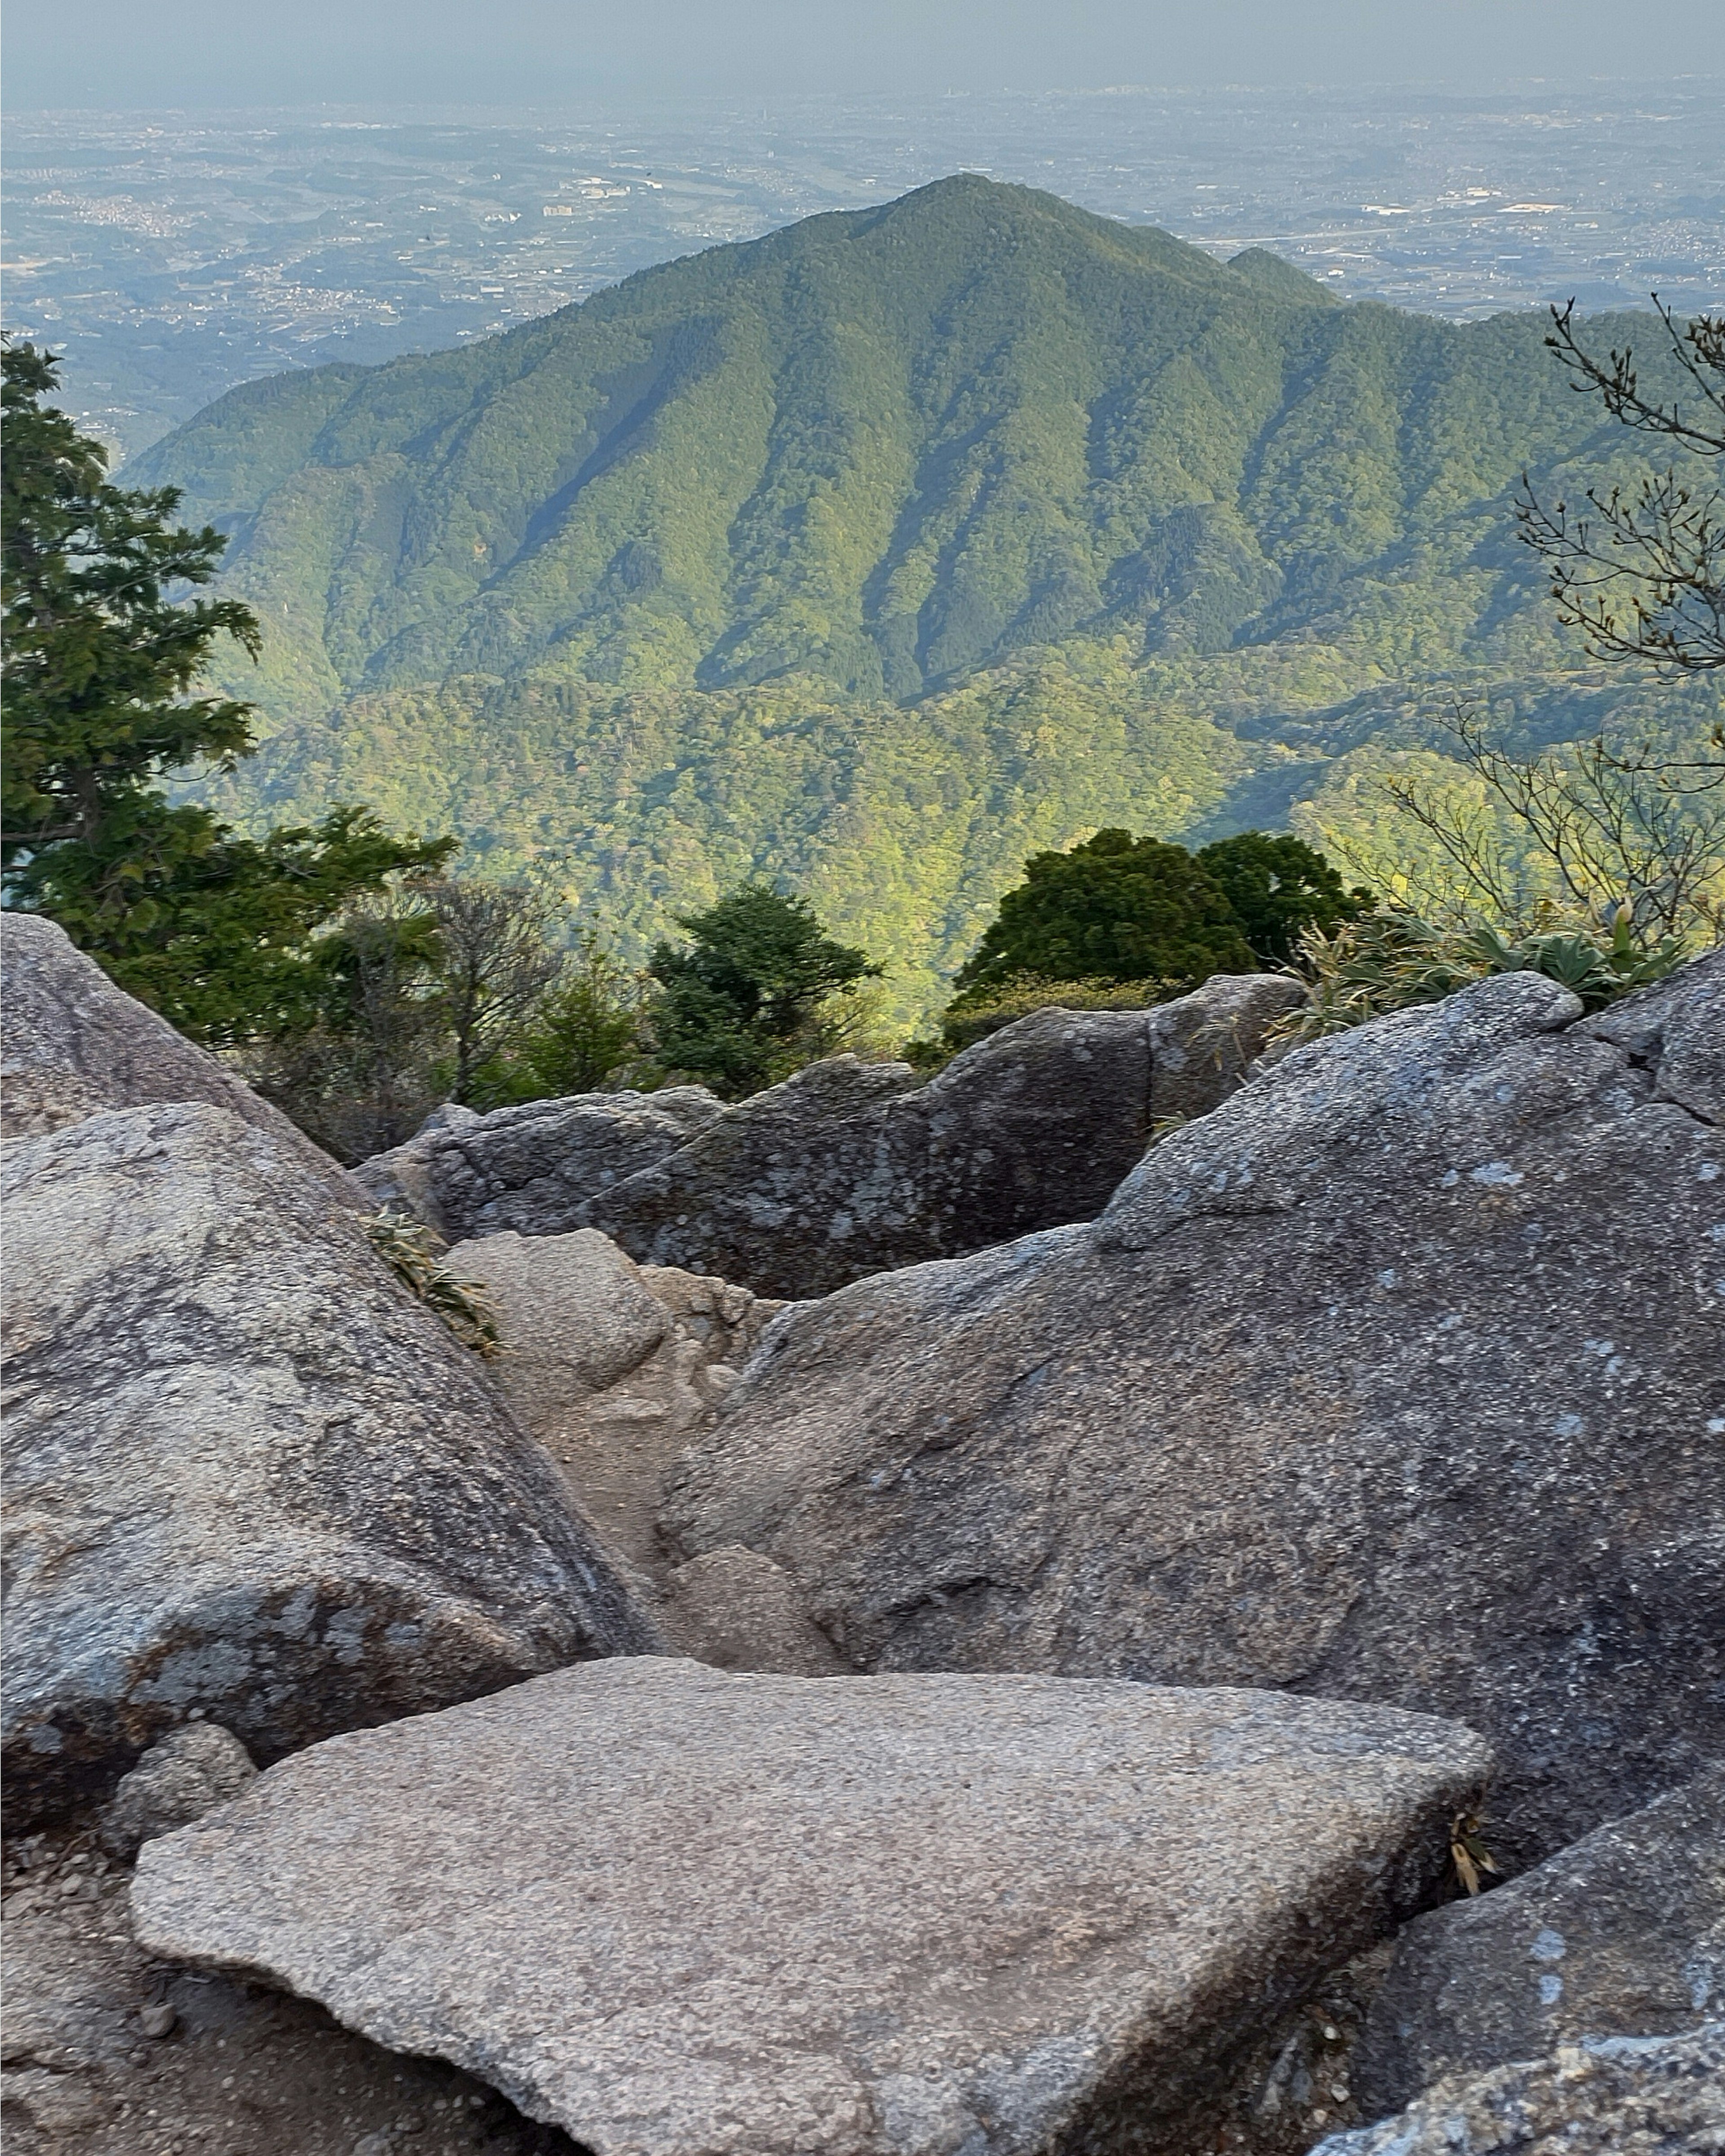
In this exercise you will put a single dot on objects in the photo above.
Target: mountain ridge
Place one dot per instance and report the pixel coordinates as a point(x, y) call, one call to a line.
point(882, 448)
point(881, 550)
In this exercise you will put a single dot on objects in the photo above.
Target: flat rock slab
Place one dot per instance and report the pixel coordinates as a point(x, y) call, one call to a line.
point(678, 1911)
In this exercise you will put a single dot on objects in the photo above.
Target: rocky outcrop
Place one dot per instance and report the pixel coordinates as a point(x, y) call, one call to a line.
point(75, 1044)
point(1400, 1376)
point(848, 1168)
point(1608, 2096)
point(532, 1168)
point(676, 1910)
point(247, 1474)
point(615, 1368)
point(576, 1316)
point(851, 1168)
point(1621, 1935)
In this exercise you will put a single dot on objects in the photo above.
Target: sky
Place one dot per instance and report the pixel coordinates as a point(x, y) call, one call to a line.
point(197, 54)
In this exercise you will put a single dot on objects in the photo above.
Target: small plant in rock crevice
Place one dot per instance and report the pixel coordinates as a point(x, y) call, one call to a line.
point(409, 1249)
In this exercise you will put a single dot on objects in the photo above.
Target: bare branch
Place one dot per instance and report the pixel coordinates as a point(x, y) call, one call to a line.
point(1642, 576)
point(1699, 348)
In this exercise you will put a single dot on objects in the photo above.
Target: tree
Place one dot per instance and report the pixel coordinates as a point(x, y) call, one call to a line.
point(1115, 908)
point(1602, 832)
point(493, 966)
point(1278, 889)
point(1642, 576)
point(739, 1006)
point(101, 659)
point(372, 1063)
point(587, 1026)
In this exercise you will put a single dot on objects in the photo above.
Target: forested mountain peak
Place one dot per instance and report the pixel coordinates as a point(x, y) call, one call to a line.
point(881, 551)
point(879, 447)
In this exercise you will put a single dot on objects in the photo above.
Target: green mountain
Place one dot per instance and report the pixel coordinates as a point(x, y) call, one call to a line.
point(879, 552)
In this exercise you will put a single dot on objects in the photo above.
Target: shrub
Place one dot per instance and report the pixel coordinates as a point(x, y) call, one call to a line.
point(1392, 960)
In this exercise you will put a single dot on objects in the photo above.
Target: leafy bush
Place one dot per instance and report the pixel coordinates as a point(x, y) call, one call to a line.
point(1390, 961)
point(1115, 908)
point(1120, 909)
point(1279, 889)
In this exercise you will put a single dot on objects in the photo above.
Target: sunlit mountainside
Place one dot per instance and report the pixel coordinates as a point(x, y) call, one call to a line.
point(882, 550)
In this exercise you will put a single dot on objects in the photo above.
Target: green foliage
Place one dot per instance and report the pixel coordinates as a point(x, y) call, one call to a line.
point(212, 928)
point(410, 1251)
point(585, 1029)
point(739, 1006)
point(1115, 908)
point(373, 1061)
point(1392, 960)
point(98, 659)
point(878, 452)
point(1278, 889)
point(222, 938)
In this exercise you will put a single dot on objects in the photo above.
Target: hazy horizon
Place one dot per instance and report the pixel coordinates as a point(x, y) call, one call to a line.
point(207, 55)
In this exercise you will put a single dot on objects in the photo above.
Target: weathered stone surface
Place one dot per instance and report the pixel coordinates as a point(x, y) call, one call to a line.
point(1608, 2096)
point(192, 1770)
point(532, 1168)
point(1622, 1934)
point(851, 1168)
point(677, 1911)
point(1676, 1031)
point(75, 1044)
point(612, 1366)
point(1400, 1376)
point(576, 1316)
point(848, 1167)
point(1202, 1045)
point(737, 1609)
point(615, 1367)
point(247, 1472)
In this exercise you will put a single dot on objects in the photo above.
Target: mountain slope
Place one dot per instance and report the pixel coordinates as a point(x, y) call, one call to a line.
point(974, 454)
point(880, 450)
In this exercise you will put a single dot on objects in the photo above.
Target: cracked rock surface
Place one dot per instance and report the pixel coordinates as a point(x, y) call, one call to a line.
point(674, 1910)
point(1606, 2096)
point(532, 1168)
point(1400, 1376)
point(1622, 1934)
point(247, 1474)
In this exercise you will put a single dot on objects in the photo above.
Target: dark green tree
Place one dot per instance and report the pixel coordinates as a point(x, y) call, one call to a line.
point(1278, 888)
point(103, 645)
point(1115, 908)
point(738, 1006)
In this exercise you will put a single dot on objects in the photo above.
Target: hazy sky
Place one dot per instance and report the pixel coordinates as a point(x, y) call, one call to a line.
point(133, 53)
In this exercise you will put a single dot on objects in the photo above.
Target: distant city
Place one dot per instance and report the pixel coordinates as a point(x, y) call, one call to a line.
point(170, 257)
